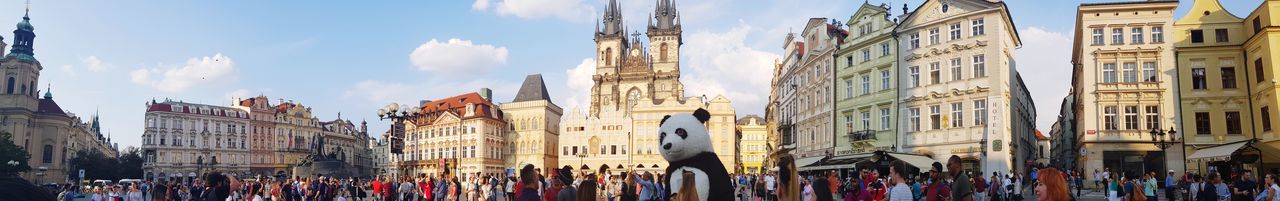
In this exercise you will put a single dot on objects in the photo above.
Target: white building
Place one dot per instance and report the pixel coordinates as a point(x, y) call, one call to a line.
point(960, 93)
point(184, 140)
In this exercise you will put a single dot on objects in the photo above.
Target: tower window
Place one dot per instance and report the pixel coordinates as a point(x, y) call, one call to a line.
point(9, 86)
point(663, 52)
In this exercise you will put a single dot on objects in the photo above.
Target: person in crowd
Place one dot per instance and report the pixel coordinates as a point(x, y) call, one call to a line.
point(822, 189)
point(564, 181)
point(899, 190)
point(1243, 189)
point(961, 187)
point(1052, 186)
point(1272, 184)
point(937, 189)
point(688, 188)
point(586, 190)
point(528, 180)
point(134, 194)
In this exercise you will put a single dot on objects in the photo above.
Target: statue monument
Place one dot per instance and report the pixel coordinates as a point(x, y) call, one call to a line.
point(318, 163)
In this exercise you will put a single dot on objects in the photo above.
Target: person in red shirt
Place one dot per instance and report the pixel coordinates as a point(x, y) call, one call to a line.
point(938, 190)
point(552, 192)
point(427, 183)
point(377, 186)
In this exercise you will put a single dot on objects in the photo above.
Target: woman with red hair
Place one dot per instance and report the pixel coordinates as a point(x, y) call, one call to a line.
point(1052, 187)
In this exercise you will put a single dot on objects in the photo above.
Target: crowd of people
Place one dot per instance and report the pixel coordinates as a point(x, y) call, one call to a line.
point(1213, 186)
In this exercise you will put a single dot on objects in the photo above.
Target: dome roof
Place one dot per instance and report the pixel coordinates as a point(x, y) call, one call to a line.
point(25, 24)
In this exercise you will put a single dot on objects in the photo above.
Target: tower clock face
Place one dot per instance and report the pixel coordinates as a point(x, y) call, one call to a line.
point(635, 52)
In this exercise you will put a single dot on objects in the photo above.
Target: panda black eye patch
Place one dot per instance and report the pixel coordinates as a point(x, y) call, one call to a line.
point(662, 136)
point(682, 133)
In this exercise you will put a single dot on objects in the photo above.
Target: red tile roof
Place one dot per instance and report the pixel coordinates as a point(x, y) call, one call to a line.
point(1040, 136)
point(457, 105)
point(217, 110)
point(47, 106)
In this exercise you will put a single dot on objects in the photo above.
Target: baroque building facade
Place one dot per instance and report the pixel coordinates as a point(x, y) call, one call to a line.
point(866, 88)
point(960, 93)
point(1125, 84)
point(1214, 96)
point(463, 134)
point(182, 140)
point(633, 88)
point(752, 144)
point(533, 123)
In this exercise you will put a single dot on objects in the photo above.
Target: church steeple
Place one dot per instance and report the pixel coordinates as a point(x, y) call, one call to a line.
point(612, 20)
point(666, 14)
point(24, 37)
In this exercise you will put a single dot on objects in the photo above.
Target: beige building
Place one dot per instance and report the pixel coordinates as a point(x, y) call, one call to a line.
point(814, 68)
point(464, 134)
point(1215, 105)
point(1125, 72)
point(960, 92)
point(633, 89)
point(183, 140)
point(752, 145)
point(534, 122)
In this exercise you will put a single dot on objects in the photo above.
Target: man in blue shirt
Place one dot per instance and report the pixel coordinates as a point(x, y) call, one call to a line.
point(1170, 185)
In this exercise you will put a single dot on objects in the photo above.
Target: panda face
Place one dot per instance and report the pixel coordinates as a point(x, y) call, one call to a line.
point(684, 136)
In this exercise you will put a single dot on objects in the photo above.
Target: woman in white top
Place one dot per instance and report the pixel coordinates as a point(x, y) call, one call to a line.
point(134, 194)
point(97, 194)
point(899, 191)
point(1273, 188)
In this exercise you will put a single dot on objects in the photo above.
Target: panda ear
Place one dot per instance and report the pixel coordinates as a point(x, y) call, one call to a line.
point(664, 119)
point(702, 115)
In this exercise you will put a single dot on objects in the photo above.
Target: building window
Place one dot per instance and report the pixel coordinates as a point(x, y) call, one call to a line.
point(913, 114)
point(48, 154)
point(955, 31)
point(1109, 73)
point(1109, 117)
point(866, 120)
point(848, 123)
point(915, 40)
point(9, 86)
point(1257, 25)
point(866, 55)
point(1117, 36)
point(956, 73)
point(884, 79)
point(1221, 35)
point(1197, 36)
point(848, 61)
point(1233, 123)
point(978, 27)
point(957, 115)
point(866, 84)
point(1130, 72)
point(848, 88)
point(1228, 77)
point(979, 112)
point(915, 76)
point(935, 73)
point(1131, 117)
point(1136, 35)
point(1097, 37)
point(1157, 34)
point(1153, 117)
point(935, 117)
point(979, 65)
point(884, 118)
point(1149, 72)
point(1258, 70)
point(1202, 123)
point(933, 36)
point(1197, 78)
point(884, 49)
point(1266, 119)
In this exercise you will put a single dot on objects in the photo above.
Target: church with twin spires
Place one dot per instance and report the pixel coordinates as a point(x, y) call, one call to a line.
point(634, 86)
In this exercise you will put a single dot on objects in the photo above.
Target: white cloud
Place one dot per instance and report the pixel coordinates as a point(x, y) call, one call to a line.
point(569, 10)
point(720, 63)
point(1045, 56)
point(456, 55)
point(197, 71)
point(238, 94)
point(579, 84)
point(94, 64)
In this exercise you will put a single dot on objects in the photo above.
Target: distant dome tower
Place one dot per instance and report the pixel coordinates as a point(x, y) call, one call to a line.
point(23, 39)
point(22, 70)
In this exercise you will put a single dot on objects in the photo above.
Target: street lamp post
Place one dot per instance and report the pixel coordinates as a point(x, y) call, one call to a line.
point(41, 174)
point(1164, 139)
point(397, 114)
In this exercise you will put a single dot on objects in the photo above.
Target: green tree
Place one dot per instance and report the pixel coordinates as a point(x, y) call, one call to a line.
point(129, 165)
point(13, 159)
point(95, 164)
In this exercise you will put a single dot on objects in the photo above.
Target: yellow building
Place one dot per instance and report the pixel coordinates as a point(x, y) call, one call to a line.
point(1261, 48)
point(534, 122)
point(1214, 96)
point(1124, 71)
point(753, 143)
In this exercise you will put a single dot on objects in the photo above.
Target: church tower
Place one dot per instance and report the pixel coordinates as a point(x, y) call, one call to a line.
point(20, 69)
point(611, 45)
point(665, 40)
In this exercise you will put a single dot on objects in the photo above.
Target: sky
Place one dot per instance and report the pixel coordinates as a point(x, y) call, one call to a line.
point(348, 57)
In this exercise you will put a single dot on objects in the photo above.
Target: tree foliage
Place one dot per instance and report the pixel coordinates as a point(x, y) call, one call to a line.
point(12, 153)
point(98, 165)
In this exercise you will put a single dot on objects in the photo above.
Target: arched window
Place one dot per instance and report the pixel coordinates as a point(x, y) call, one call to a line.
point(608, 57)
point(663, 52)
point(48, 154)
point(9, 86)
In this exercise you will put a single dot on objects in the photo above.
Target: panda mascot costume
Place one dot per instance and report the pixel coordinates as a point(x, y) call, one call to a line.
point(686, 146)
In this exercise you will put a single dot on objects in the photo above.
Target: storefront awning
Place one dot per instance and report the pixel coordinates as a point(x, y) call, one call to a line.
point(807, 161)
point(1217, 153)
point(922, 162)
point(838, 162)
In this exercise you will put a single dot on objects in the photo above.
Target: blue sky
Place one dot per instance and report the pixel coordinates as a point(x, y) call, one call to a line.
point(353, 57)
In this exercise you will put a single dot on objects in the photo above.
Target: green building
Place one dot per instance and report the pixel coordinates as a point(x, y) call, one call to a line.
point(866, 63)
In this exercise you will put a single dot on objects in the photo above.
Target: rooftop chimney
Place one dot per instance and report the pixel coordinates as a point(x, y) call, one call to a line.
point(486, 93)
